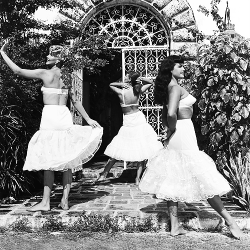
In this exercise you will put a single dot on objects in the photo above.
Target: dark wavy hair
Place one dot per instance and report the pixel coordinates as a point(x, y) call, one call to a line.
point(133, 75)
point(164, 78)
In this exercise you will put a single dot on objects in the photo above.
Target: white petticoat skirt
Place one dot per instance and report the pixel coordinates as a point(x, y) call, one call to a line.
point(135, 141)
point(60, 145)
point(181, 172)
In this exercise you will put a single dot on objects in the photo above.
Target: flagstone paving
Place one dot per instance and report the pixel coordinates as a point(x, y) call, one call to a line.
point(117, 197)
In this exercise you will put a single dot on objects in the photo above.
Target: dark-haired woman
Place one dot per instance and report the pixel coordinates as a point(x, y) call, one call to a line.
point(180, 172)
point(58, 145)
point(136, 140)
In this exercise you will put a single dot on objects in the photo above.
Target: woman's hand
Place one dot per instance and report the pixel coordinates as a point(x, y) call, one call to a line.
point(93, 123)
point(166, 135)
point(146, 80)
point(5, 45)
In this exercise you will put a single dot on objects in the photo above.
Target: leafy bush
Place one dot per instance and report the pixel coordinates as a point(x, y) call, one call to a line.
point(95, 223)
point(52, 224)
point(223, 81)
point(12, 151)
point(21, 225)
point(237, 170)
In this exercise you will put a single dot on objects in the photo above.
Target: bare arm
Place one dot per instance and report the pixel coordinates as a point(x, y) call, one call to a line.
point(169, 114)
point(117, 84)
point(78, 105)
point(173, 104)
point(165, 115)
point(116, 87)
point(32, 74)
point(146, 84)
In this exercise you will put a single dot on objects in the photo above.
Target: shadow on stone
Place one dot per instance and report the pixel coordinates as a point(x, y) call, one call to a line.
point(127, 176)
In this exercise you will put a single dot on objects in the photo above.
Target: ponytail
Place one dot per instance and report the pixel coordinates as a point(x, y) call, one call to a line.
point(136, 86)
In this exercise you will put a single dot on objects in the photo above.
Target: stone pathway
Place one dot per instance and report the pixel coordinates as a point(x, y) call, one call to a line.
point(117, 197)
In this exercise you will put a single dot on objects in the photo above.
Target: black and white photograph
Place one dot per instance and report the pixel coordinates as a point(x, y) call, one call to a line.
point(124, 125)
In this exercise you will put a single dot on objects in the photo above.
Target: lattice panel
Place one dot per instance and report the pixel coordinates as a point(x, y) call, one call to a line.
point(146, 61)
point(128, 25)
point(77, 86)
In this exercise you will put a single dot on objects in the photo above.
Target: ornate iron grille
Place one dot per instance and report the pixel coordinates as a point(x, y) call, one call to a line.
point(128, 25)
point(77, 87)
point(146, 61)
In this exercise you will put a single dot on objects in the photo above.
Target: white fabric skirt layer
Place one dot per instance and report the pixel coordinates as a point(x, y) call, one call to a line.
point(181, 172)
point(135, 141)
point(60, 145)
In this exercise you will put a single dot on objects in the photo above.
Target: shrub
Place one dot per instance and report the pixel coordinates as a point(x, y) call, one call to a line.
point(223, 81)
point(21, 225)
point(53, 224)
point(12, 151)
point(237, 170)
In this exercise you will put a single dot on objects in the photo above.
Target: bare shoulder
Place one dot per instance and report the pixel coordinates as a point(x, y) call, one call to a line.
point(175, 89)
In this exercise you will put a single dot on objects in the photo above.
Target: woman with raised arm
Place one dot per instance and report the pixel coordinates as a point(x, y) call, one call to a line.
point(180, 171)
point(136, 140)
point(58, 145)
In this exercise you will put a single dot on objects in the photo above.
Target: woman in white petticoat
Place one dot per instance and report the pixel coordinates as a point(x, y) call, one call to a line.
point(136, 140)
point(58, 145)
point(180, 172)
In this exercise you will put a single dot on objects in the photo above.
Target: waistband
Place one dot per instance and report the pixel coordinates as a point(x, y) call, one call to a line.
point(184, 113)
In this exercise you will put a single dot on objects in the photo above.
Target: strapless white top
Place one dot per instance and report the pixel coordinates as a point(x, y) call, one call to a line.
point(54, 91)
point(187, 101)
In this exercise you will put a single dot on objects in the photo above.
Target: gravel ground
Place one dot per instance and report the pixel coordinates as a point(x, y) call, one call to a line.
point(123, 241)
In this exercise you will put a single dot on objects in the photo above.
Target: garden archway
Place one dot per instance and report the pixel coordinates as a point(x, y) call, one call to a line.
point(145, 30)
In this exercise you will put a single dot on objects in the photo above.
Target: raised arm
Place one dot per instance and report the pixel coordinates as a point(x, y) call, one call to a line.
point(81, 110)
point(146, 84)
point(32, 74)
point(116, 87)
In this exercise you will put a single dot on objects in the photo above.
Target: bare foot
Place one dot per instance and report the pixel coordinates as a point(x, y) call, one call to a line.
point(178, 231)
point(63, 206)
point(40, 207)
point(102, 177)
point(235, 230)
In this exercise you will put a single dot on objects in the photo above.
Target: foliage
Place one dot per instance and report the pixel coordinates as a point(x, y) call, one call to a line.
point(89, 53)
point(12, 151)
point(21, 225)
point(16, 15)
point(52, 224)
point(237, 170)
point(214, 13)
point(95, 223)
point(102, 223)
point(21, 111)
point(223, 80)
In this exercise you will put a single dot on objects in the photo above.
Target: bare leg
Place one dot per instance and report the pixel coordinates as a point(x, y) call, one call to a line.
point(44, 205)
point(217, 205)
point(67, 180)
point(176, 228)
point(139, 171)
point(108, 166)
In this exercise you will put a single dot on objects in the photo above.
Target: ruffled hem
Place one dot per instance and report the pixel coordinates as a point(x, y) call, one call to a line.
point(186, 176)
point(62, 150)
point(134, 144)
point(204, 198)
